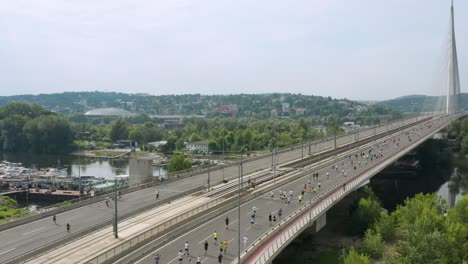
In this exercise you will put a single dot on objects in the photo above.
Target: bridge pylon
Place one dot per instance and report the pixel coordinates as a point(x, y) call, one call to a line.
point(453, 103)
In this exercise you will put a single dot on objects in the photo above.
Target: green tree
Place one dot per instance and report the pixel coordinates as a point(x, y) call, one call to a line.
point(373, 244)
point(118, 130)
point(179, 162)
point(366, 213)
point(464, 145)
point(48, 134)
point(386, 226)
point(353, 257)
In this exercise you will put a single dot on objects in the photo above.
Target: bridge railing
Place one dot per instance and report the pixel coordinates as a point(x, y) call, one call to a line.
point(304, 215)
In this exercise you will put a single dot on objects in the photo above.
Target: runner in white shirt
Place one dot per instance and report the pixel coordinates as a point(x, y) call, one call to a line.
point(180, 256)
point(246, 240)
point(187, 246)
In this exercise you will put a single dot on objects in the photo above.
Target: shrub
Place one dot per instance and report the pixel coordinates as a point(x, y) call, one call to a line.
point(353, 257)
point(386, 226)
point(374, 244)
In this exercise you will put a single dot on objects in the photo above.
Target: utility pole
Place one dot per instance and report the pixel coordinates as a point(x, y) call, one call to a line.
point(241, 175)
point(209, 172)
point(79, 172)
point(116, 232)
point(224, 158)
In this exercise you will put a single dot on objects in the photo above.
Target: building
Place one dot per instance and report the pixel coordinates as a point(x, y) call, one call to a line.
point(157, 144)
point(274, 113)
point(231, 110)
point(198, 147)
point(124, 143)
point(108, 112)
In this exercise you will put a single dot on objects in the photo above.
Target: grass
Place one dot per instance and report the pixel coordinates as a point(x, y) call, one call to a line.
point(9, 211)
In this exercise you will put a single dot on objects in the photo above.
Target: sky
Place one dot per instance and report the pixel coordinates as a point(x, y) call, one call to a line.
point(359, 49)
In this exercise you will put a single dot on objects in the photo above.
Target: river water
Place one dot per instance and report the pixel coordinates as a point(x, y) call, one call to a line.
point(84, 166)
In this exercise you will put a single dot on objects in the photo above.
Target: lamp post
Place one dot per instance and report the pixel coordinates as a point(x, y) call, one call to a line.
point(241, 175)
point(116, 232)
point(209, 173)
point(224, 158)
point(79, 166)
point(302, 152)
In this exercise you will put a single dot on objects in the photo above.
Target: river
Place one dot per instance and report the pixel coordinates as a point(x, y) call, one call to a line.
point(84, 166)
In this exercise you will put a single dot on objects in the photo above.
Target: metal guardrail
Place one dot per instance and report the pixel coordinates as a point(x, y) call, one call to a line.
point(309, 212)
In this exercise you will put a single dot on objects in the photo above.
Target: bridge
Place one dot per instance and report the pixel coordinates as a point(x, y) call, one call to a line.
point(187, 211)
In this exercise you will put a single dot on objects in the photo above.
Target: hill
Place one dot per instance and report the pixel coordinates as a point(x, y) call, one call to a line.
point(418, 103)
point(258, 106)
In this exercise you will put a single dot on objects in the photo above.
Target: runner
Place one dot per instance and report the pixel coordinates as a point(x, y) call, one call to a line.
point(220, 258)
point(227, 222)
point(198, 260)
point(206, 247)
point(190, 261)
point(252, 219)
point(270, 218)
point(245, 239)
point(68, 227)
point(180, 256)
point(226, 245)
point(221, 247)
point(215, 237)
point(55, 219)
point(319, 185)
point(186, 246)
point(156, 259)
point(157, 194)
point(254, 209)
point(300, 198)
point(280, 213)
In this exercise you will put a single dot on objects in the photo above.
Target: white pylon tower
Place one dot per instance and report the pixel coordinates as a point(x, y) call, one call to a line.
point(453, 104)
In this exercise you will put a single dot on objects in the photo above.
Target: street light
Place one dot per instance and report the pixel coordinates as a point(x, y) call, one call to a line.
point(241, 175)
point(302, 151)
point(116, 232)
point(79, 166)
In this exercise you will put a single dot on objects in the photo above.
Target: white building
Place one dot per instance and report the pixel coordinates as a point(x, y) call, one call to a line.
point(198, 147)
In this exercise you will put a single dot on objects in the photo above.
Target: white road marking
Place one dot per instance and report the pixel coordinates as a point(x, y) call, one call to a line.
point(33, 231)
point(173, 260)
point(205, 239)
point(7, 251)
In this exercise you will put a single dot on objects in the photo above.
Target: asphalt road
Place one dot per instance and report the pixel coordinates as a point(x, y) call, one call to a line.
point(266, 205)
point(28, 237)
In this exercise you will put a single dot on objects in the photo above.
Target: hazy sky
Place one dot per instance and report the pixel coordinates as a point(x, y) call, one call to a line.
point(358, 49)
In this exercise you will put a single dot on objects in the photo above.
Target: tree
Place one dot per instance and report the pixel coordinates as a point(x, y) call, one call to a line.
point(366, 213)
point(353, 257)
point(48, 134)
point(386, 226)
point(374, 244)
point(464, 145)
point(179, 162)
point(118, 130)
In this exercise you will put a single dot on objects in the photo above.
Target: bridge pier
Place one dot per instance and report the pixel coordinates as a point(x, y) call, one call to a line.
point(321, 222)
